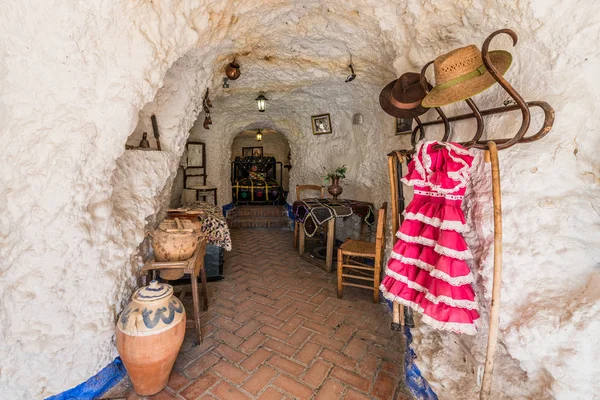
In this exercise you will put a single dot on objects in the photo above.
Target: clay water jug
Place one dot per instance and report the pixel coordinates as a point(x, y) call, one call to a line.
point(150, 332)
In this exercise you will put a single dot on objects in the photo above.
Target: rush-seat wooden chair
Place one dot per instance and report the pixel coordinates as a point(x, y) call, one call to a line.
point(299, 196)
point(350, 268)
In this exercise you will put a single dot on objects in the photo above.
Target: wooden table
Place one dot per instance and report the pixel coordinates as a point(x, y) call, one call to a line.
point(317, 212)
point(194, 266)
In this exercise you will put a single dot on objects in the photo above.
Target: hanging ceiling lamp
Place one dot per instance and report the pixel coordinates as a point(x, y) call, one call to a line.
point(261, 102)
point(258, 135)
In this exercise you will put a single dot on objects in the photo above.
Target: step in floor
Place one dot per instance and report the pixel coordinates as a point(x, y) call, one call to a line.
point(259, 217)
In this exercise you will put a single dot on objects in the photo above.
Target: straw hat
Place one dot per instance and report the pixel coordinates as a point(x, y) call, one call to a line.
point(402, 98)
point(461, 74)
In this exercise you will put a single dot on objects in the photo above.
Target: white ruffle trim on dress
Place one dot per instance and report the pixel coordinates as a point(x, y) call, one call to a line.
point(454, 281)
point(461, 176)
point(456, 327)
point(456, 226)
point(444, 251)
point(469, 305)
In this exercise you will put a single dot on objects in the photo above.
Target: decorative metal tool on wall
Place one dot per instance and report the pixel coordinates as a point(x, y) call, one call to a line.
point(206, 106)
point(155, 130)
point(491, 147)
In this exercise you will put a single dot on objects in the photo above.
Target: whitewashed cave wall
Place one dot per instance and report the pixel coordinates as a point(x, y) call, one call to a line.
point(75, 76)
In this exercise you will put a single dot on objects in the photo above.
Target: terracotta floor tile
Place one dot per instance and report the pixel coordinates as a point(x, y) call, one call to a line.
point(293, 387)
point(286, 365)
point(200, 386)
point(259, 379)
point(351, 379)
point(199, 366)
point(230, 372)
point(330, 390)
point(256, 359)
point(317, 373)
point(177, 381)
point(225, 391)
point(271, 394)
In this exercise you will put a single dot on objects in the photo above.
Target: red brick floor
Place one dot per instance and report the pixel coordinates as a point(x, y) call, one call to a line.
point(276, 330)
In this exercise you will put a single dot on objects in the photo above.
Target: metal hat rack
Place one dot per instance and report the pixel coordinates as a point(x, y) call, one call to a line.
point(491, 147)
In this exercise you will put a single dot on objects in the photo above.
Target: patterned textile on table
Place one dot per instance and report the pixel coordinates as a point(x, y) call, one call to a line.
point(254, 181)
point(214, 225)
point(315, 212)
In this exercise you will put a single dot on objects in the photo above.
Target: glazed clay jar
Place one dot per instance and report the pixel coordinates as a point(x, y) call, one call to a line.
point(150, 332)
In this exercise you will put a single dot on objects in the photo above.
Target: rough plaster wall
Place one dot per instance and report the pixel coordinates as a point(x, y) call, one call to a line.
point(74, 204)
point(274, 144)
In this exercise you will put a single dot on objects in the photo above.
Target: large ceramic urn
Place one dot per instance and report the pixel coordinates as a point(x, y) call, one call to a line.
point(150, 332)
point(175, 240)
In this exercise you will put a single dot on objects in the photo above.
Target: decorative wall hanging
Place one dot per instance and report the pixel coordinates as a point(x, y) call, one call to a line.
point(352, 76)
point(206, 106)
point(252, 151)
point(261, 102)
point(321, 124)
point(459, 75)
point(232, 70)
point(404, 126)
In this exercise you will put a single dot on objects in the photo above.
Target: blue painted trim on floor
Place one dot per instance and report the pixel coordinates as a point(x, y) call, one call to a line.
point(226, 208)
point(418, 386)
point(96, 385)
point(291, 215)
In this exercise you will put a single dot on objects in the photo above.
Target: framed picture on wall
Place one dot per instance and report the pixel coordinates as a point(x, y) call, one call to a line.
point(252, 151)
point(404, 126)
point(321, 124)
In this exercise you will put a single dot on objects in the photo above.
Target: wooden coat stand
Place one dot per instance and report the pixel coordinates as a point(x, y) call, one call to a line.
point(491, 148)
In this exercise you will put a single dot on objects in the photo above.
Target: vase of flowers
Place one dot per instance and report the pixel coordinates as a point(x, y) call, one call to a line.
point(334, 177)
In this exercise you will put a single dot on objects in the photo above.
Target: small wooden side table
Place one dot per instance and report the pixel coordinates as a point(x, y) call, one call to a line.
point(203, 191)
point(194, 266)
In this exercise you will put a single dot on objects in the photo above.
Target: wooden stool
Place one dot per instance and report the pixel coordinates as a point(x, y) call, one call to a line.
point(194, 266)
point(357, 270)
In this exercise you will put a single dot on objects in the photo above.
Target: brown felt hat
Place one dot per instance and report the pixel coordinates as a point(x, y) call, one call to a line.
point(402, 98)
point(461, 74)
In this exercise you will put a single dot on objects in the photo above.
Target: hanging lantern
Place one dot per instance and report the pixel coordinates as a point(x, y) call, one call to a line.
point(258, 135)
point(261, 102)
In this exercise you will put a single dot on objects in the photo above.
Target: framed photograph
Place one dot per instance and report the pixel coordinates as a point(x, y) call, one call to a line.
point(252, 151)
point(404, 126)
point(321, 124)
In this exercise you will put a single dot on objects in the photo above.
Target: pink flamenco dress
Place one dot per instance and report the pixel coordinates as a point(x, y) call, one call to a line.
point(427, 270)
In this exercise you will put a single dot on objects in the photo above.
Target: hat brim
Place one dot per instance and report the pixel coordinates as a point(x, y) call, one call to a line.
point(440, 97)
point(384, 102)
